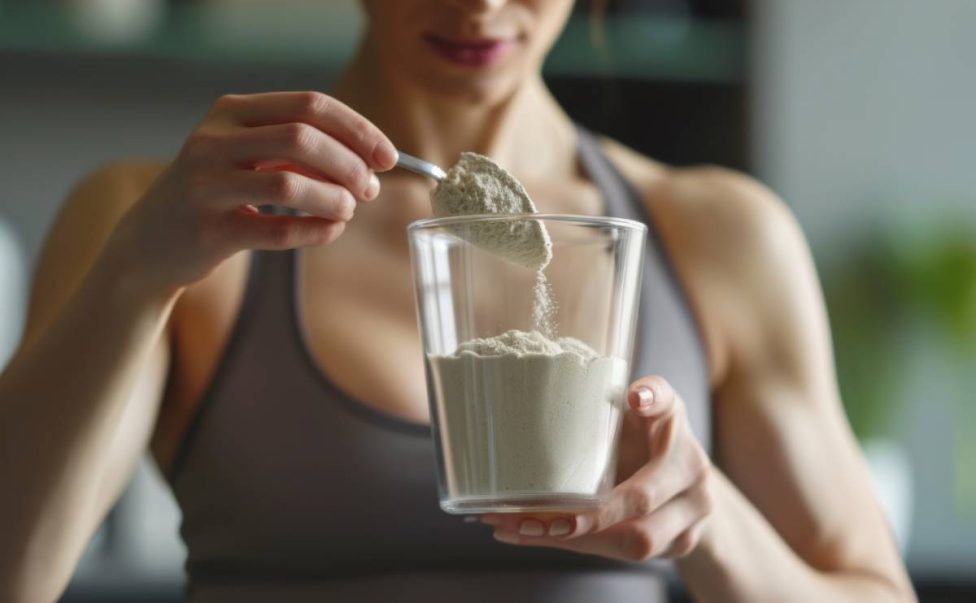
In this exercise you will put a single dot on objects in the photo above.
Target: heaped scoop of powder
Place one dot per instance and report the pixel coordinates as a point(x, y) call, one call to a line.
point(477, 185)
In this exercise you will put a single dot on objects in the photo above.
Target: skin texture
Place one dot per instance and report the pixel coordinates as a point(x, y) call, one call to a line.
point(142, 275)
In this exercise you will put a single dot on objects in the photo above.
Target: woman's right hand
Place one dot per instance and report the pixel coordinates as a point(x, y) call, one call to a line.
point(300, 150)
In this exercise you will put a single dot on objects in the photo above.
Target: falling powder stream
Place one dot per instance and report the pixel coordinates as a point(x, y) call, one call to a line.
point(476, 185)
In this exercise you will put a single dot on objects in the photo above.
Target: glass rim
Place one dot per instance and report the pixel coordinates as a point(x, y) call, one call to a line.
point(583, 220)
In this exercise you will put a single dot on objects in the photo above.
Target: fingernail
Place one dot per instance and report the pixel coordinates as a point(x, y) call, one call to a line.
point(385, 156)
point(531, 527)
point(560, 527)
point(506, 537)
point(645, 397)
point(373, 188)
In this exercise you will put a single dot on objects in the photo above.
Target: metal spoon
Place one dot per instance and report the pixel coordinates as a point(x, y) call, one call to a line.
point(419, 166)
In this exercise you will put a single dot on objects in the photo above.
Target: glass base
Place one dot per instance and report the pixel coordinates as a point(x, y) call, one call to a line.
point(533, 503)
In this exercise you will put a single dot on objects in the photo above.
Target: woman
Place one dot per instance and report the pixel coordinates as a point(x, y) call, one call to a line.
point(283, 393)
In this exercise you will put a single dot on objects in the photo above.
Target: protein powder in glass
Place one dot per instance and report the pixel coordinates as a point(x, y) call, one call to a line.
point(527, 362)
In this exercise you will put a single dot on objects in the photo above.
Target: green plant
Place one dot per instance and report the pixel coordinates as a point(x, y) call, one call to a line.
point(888, 285)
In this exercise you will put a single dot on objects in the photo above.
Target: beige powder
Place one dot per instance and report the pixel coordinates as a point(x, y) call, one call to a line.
point(522, 415)
point(476, 185)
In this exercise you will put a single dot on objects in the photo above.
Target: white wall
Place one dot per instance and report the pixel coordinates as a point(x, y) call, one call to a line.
point(865, 102)
point(863, 108)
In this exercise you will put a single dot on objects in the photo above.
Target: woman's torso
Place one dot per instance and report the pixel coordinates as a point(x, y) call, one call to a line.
point(310, 461)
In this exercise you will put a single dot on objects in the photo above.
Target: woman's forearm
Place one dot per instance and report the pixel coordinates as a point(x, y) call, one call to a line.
point(741, 558)
point(63, 402)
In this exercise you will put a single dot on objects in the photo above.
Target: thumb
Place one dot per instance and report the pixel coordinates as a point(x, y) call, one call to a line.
point(651, 397)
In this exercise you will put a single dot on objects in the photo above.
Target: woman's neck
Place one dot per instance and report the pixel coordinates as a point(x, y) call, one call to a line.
point(526, 131)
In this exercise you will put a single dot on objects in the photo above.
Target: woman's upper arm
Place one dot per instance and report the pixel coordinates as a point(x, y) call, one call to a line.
point(75, 240)
point(780, 430)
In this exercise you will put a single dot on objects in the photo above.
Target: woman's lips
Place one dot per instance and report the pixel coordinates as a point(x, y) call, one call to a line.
point(470, 53)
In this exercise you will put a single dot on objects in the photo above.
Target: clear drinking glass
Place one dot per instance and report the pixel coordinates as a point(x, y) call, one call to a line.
point(532, 432)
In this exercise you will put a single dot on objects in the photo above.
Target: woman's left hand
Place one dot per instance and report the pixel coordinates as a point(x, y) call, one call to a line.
point(659, 510)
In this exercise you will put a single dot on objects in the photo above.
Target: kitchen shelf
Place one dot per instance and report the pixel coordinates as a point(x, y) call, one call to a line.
point(323, 34)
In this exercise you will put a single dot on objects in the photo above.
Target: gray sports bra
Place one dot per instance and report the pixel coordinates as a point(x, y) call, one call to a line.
point(291, 491)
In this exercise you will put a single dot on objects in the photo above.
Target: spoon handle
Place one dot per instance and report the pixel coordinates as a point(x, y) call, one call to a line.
point(419, 166)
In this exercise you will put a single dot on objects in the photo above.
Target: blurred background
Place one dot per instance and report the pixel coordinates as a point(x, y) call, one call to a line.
point(859, 114)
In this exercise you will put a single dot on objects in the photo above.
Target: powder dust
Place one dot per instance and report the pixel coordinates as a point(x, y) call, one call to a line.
point(476, 185)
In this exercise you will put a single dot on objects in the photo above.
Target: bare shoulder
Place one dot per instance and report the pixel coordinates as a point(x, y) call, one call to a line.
point(735, 244)
point(729, 214)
